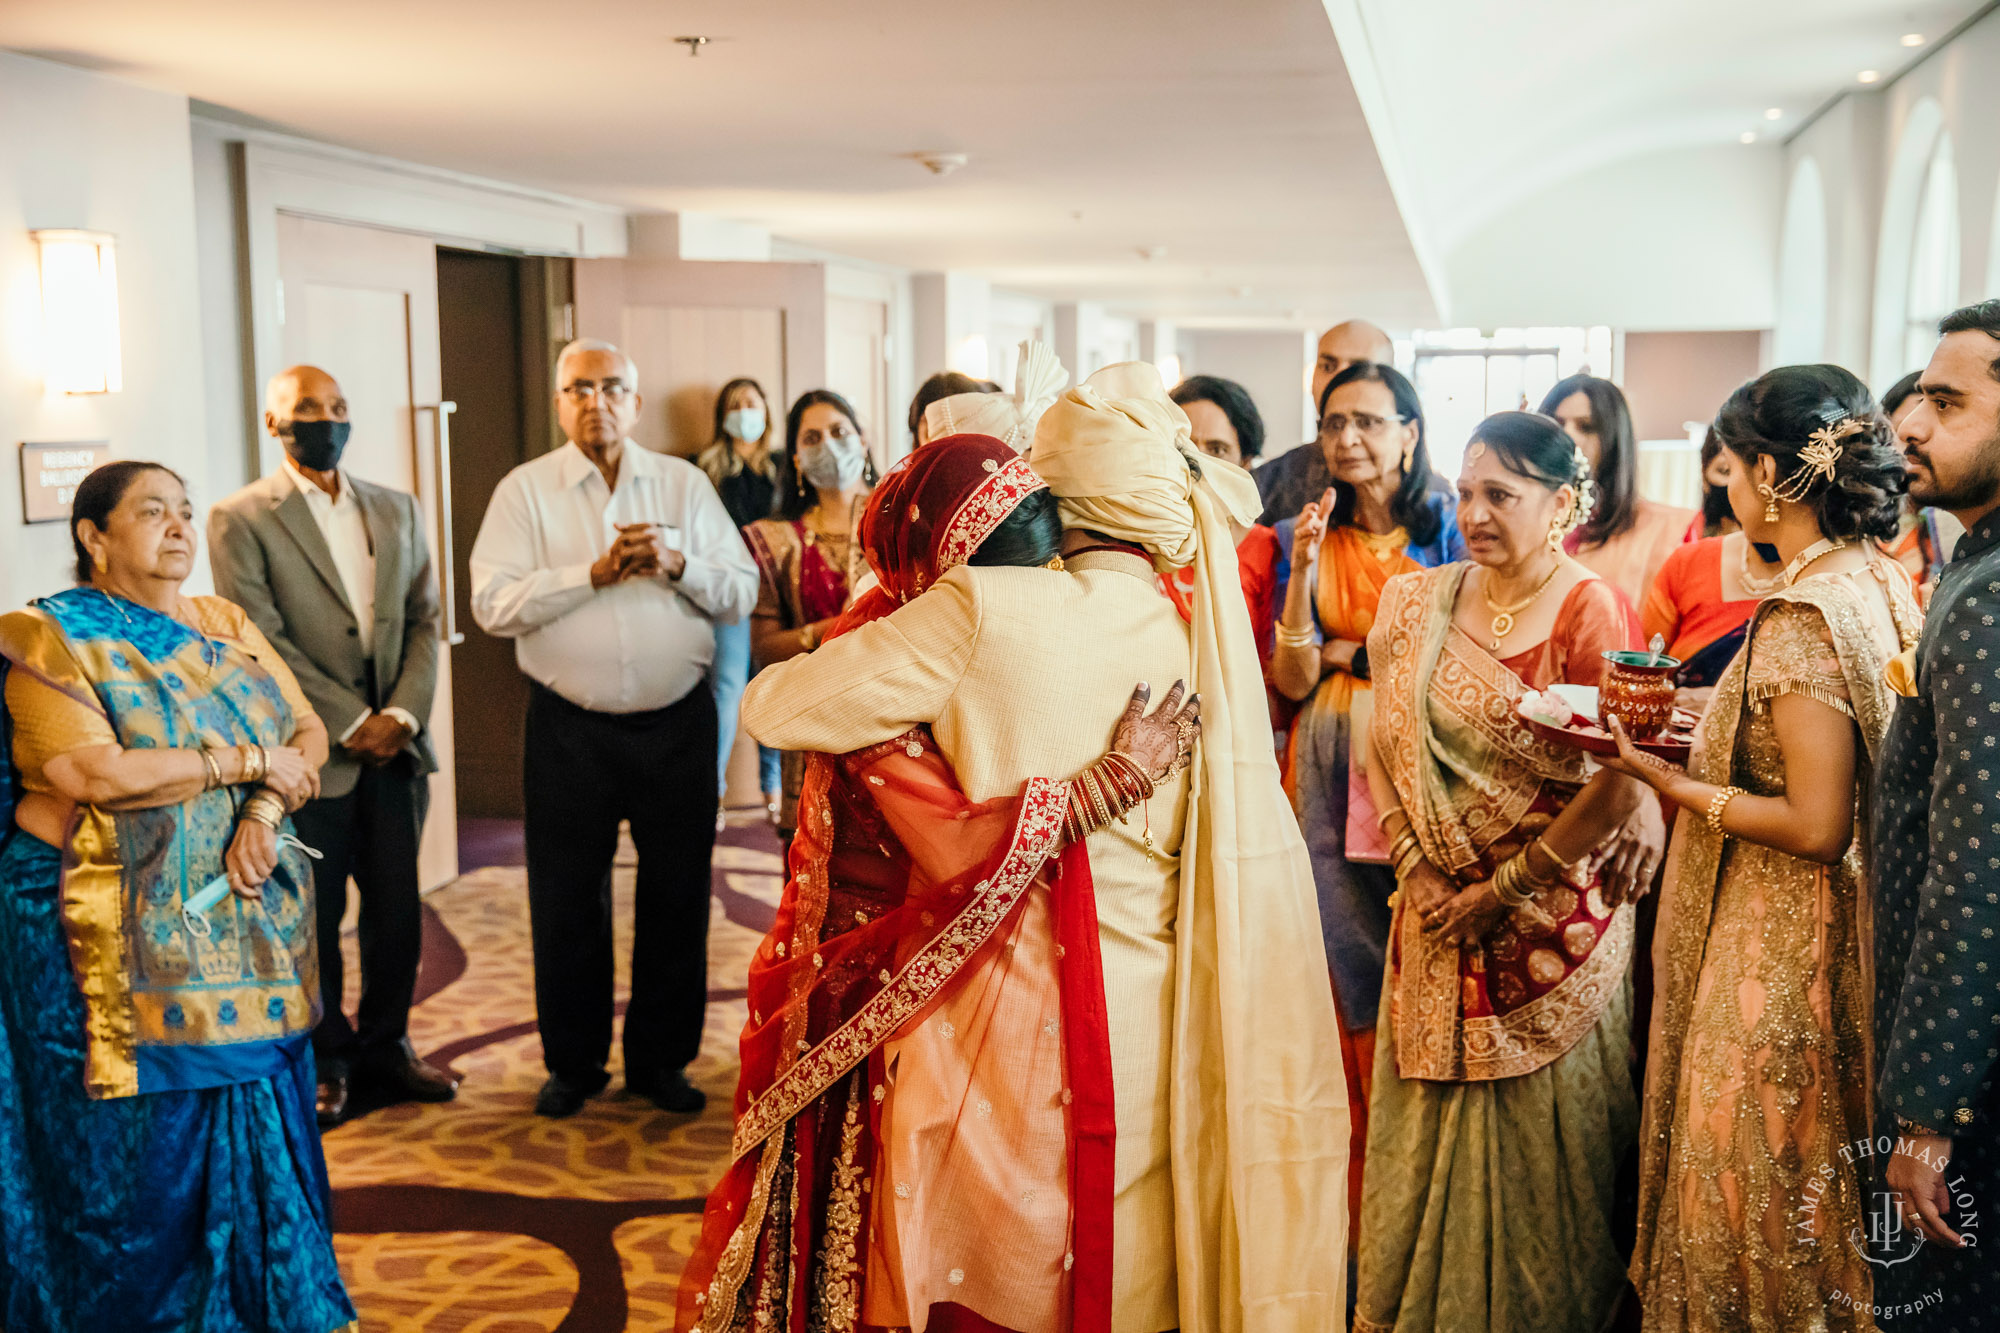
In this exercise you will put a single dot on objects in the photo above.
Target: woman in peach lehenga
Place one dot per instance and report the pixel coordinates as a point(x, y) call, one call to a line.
point(1760, 1063)
point(926, 1069)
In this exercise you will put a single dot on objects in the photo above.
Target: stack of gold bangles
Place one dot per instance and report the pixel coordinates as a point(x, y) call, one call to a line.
point(266, 807)
point(254, 760)
point(1105, 791)
point(1517, 881)
point(1406, 851)
point(1294, 638)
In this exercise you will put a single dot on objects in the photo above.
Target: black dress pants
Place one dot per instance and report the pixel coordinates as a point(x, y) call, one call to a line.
point(584, 773)
point(373, 834)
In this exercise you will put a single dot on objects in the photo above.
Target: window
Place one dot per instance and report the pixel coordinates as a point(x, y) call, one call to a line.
point(1464, 376)
point(1934, 253)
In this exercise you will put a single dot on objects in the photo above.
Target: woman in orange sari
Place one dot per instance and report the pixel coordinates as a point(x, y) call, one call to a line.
point(924, 1121)
point(1379, 519)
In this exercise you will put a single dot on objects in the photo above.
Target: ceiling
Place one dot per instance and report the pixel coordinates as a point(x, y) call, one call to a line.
point(1526, 97)
point(1228, 140)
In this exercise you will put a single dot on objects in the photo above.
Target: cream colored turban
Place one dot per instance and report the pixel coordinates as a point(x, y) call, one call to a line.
point(1252, 1006)
point(1009, 418)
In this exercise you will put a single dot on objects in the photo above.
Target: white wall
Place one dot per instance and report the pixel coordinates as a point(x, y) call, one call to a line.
point(1856, 147)
point(1270, 363)
point(81, 150)
point(1684, 239)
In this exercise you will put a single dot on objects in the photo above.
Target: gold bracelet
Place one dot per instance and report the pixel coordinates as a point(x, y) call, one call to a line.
point(1294, 638)
point(1717, 804)
point(1511, 885)
point(1561, 867)
point(211, 769)
point(1382, 820)
point(1406, 862)
point(266, 809)
point(1405, 841)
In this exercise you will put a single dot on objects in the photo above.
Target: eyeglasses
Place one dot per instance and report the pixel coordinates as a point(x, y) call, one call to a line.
point(611, 391)
point(1335, 424)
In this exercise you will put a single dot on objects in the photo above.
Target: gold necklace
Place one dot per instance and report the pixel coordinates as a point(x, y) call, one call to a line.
point(1503, 616)
point(1824, 546)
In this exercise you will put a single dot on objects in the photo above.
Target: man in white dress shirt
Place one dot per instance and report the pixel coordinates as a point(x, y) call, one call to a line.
point(337, 573)
point(609, 566)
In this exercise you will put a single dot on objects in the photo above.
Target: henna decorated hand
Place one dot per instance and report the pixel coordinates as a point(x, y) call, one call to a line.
point(1161, 743)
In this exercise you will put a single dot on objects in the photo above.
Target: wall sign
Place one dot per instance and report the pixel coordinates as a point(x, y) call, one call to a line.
point(50, 474)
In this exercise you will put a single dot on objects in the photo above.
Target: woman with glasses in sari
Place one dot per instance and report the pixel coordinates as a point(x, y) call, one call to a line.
point(1379, 519)
point(1502, 1099)
point(160, 1163)
point(1758, 1070)
point(927, 1014)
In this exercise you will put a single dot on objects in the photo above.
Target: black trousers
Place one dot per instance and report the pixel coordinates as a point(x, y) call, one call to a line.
point(371, 833)
point(584, 772)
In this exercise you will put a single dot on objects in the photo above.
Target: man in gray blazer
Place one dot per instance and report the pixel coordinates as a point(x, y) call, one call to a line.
point(337, 573)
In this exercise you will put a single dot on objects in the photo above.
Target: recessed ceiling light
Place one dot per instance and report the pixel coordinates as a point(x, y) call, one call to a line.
point(1748, 136)
point(1774, 113)
point(1913, 39)
point(1870, 76)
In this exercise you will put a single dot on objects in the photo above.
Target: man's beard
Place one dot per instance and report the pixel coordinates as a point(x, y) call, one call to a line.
point(1977, 489)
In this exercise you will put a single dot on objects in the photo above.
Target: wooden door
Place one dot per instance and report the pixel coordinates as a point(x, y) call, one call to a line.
point(857, 366)
point(361, 304)
point(685, 354)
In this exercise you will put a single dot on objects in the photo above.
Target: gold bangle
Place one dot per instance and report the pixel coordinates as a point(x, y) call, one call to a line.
point(1294, 638)
point(266, 809)
point(1560, 866)
point(1510, 885)
point(1719, 803)
point(211, 769)
point(1382, 820)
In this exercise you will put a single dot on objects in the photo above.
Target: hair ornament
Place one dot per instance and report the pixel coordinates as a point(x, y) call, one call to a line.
point(1585, 503)
point(1818, 459)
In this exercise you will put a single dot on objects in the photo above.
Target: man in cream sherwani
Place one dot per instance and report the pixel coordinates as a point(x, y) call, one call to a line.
point(1230, 1209)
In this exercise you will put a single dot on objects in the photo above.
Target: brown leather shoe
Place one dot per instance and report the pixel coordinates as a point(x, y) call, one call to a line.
point(332, 1104)
point(411, 1080)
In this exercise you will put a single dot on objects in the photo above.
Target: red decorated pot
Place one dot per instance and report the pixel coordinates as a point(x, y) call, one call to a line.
point(1638, 690)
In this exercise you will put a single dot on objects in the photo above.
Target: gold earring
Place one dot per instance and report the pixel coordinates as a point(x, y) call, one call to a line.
point(1556, 535)
point(1770, 502)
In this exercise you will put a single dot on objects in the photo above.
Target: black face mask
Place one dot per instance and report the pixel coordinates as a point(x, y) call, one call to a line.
point(317, 444)
point(1715, 506)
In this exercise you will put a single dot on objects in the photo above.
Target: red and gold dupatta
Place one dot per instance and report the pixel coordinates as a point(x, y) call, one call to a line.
point(901, 891)
point(1478, 785)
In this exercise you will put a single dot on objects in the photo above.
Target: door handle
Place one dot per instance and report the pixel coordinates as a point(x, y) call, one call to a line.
point(447, 555)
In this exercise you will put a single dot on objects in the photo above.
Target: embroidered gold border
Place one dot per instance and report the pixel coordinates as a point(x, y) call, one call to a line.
point(93, 913)
point(920, 979)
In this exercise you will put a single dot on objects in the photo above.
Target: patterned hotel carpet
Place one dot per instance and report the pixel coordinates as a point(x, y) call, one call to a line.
point(482, 1217)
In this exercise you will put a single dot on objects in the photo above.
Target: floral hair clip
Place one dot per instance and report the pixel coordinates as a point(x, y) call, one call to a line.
point(1819, 458)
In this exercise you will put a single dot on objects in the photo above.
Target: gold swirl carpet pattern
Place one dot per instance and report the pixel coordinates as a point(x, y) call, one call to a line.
point(479, 1216)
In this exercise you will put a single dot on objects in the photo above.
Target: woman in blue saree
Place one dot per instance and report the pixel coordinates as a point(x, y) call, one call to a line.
point(160, 1168)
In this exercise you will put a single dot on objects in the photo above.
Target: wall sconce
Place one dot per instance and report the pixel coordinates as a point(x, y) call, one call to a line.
point(79, 312)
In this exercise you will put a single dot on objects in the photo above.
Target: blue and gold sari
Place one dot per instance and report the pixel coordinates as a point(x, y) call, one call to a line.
point(160, 1164)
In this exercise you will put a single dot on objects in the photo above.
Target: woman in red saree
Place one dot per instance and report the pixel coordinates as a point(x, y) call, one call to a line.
point(924, 1117)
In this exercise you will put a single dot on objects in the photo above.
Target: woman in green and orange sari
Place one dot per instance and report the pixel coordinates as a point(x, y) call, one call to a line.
point(1380, 518)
